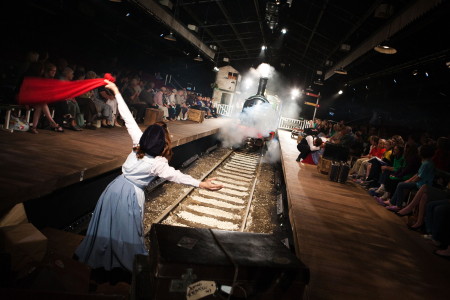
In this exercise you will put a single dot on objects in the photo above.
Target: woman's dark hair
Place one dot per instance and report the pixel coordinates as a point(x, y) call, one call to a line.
point(411, 150)
point(400, 151)
point(155, 141)
point(318, 142)
point(426, 151)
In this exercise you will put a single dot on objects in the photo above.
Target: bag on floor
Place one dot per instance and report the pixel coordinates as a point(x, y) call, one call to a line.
point(334, 171)
point(19, 124)
point(343, 173)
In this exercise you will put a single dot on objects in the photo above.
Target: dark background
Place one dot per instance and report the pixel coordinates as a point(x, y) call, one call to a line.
point(380, 89)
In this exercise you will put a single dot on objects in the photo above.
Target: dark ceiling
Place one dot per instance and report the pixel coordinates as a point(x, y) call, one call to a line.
point(321, 36)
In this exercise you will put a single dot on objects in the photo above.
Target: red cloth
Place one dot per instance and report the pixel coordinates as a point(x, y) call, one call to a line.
point(308, 159)
point(44, 90)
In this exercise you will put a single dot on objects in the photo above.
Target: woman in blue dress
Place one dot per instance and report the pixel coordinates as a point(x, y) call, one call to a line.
point(116, 232)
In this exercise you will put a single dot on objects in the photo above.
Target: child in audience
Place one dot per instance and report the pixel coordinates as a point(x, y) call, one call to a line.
point(425, 175)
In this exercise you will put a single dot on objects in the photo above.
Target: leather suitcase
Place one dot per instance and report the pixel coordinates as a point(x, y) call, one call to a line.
point(196, 115)
point(334, 171)
point(343, 173)
point(259, 266)
point(153, 115)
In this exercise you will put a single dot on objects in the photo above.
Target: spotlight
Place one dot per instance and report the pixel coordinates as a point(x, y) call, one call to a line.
point(198, 58)
point(426, 74)
point(395, 81)
point(340, 92)
point(448, 64)
point(295, 92)
point(385, 49)
point(415, 72)
point(318, 82)
point(263, 47)
point(284, 31)
point(170, 37)
point(341, 71)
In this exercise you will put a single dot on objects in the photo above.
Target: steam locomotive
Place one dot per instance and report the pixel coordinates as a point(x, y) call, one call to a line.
point(250, 118)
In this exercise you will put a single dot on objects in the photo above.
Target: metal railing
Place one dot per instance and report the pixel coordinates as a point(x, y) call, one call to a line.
point(224, 110)
point(284, 123)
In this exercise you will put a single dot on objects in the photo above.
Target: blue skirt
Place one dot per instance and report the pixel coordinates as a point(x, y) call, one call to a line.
point(115, 232)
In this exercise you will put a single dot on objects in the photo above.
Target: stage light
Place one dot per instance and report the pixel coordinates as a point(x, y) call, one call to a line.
point(170, 37)
point(295, 93)
point(340, 92)
point(284, 31)
point(341, 71)
point(385, 49)
point(263, 47)
point(198, 58)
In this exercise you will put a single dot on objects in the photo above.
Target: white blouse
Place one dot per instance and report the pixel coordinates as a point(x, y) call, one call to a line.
point(142, 171)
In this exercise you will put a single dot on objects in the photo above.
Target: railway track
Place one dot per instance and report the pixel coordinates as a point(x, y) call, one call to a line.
point(226, 209)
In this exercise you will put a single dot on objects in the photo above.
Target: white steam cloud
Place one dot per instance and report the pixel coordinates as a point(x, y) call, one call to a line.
point(255, 122)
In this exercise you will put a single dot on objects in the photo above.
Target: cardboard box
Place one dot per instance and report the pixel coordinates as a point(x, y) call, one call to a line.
point(26, 245)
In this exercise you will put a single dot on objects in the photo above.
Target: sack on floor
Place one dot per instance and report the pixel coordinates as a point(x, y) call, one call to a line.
point(19, 124)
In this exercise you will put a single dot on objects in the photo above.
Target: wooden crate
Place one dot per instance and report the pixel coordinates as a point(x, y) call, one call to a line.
point(153, 115)
point(196, 115)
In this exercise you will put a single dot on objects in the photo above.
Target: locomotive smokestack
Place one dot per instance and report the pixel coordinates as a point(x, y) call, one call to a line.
point(262, 86)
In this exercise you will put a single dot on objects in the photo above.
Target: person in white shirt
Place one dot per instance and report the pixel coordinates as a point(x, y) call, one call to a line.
point(115, 232)
point(308, 144)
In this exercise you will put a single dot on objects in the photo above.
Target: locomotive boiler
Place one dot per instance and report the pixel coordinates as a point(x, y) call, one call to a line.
point(255, 114)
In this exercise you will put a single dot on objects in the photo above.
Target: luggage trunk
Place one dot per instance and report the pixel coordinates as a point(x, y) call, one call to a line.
point(153, 115)
point(196, 115)
point(257, 266)
point(343, 173)
point(334, 171)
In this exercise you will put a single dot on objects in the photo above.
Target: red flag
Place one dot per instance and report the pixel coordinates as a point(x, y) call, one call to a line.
point(43, 90)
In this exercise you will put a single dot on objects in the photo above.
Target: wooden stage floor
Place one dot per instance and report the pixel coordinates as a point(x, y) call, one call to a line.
point(356, 249)
point(34, 165)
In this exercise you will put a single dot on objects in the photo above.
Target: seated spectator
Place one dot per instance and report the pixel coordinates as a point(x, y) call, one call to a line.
point(425, 175)
point(424, 195)
point(148, 93)
point(213, 109)
point(411, 165)
point(48, 70)
point(374, 165)
point(357, 147)
point(87, 106)
point(437, 222)
point(441, 160)
point(359, 168)
point(100, 96)
point(398, 162)
point(131, 97)
point(68, 111)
